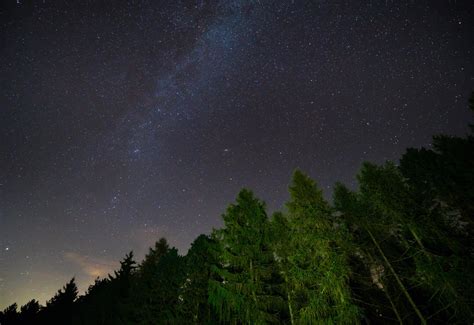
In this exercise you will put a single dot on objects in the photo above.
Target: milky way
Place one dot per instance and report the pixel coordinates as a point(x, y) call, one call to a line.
point(123, 123)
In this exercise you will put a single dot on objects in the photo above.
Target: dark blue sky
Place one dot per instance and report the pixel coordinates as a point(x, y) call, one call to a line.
point(124, 122)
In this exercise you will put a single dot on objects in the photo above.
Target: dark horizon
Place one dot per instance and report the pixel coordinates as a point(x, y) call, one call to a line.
point(123, 124)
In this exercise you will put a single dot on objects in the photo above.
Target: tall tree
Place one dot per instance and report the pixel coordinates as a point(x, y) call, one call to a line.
point(108, 300)
point(410, 237)
point(194, 305)
point(156, 291)
point(243, 289)
point(318, 272)
point(376, 293)
point(29, 312)
point(279, 237)
point(60, 308)
point(100, 304)
point(150, 263)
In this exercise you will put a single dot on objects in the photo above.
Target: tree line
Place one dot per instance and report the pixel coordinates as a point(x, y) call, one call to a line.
point(398, 249)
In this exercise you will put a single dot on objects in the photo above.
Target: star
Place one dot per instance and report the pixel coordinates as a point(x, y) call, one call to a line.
point(104, 115)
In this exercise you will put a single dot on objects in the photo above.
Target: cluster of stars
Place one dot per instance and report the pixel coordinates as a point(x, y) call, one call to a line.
point(122, 123)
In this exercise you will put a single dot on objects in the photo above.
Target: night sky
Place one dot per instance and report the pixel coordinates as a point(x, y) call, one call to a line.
point(124, 121)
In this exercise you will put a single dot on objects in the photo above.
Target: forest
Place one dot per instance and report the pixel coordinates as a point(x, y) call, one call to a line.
point(398, 249)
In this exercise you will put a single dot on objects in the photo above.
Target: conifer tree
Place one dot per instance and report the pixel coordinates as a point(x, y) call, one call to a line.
point(59, 309)
point(10, 315)
point(100, 304)
point(193, 296)
point(156, 291)
point(438, 261)
point(376, 293)
point(279, 237)
point(29, 312)
point(318, 267)
point(150, 263)
point(243, 290)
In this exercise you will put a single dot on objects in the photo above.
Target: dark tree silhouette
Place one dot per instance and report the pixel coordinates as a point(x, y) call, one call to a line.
point(29, 312)
point(59, 309)
point(10, 315)
point(194, 305)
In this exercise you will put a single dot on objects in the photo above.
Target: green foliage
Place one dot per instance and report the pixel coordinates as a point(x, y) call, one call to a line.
point(155, 297)
point(402, 233)
point(193, 304)
point(318, 271)
point(107, 301)
point(99, 305)
point(242, 288)
point(442, 181)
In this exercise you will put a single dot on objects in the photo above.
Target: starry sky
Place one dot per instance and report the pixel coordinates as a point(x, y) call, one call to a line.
point(123, 121)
